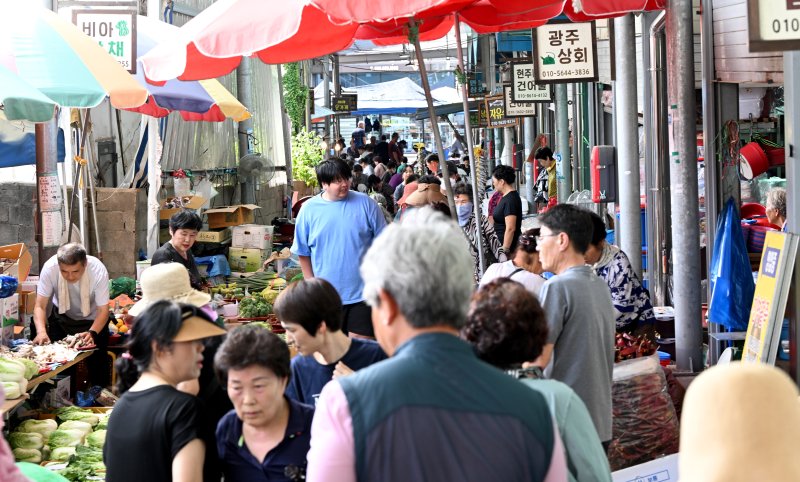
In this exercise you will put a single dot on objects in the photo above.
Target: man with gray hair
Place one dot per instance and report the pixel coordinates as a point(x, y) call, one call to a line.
point(433, 411)
point(77, 284)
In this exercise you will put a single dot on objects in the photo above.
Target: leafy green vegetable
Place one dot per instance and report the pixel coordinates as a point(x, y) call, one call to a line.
point(11, 370)
point(76, 413)
point(96, 439)
point(11, 390)
point(261, 324)
point(62, 454)
point(65, 438)
point(24, 440)
point(254, 306)
point(27, 455)
point(44, 427)
point(31, 368)
point(84, 427)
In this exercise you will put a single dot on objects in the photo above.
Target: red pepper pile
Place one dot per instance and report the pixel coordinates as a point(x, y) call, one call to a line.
point(628, 347)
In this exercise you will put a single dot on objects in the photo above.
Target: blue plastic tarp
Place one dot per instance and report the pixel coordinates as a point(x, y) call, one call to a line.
point(18, 144)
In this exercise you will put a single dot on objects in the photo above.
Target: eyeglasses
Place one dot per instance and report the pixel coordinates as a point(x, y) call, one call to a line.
point(539, 238)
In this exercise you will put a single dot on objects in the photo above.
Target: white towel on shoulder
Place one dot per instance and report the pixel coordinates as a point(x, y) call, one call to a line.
point(63, 294)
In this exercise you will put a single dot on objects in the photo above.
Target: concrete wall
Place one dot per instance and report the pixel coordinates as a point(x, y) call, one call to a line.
point(121, 216)
point(16, 218)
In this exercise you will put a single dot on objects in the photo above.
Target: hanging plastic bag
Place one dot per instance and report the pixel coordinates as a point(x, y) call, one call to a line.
point(730, 275)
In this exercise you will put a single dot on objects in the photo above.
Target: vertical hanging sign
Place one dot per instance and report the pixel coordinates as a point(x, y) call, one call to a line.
point(565, 52)
point(50, 203)
point(114, 30)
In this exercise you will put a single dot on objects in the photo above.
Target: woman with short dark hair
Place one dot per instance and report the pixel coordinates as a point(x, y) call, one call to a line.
point(506, 326)
point(183, 228)
point(266, 436)
point(508, 212)
point(165, 349)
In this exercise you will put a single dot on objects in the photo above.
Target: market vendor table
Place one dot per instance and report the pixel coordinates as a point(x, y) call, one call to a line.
point(11, 405)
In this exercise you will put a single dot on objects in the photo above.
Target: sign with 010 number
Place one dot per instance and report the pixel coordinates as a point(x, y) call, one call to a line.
point(517, 109)
point(344, 104)
point(565, 52)
point(496, 112)
point(114, 30)
point(773, 25)
point(523, 84)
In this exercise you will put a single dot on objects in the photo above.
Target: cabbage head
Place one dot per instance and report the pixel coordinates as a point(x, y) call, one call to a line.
point(23, 440)
point(65, 438)
point(96, 439)
point(28, 455)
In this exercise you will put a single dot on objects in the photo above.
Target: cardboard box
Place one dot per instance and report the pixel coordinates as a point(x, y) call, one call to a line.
point(231, 215)
point(10, 312)
point(246, 259)
point(214, 236)
point(252, 236)
point(27, 300)
point(15, 260)
point(193, 203)
point(659, 470)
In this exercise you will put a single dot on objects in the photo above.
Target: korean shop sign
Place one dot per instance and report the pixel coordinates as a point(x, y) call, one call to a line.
point(483, 116)
point(565, 52)
point(516, 109)
point(496, 112)
point(114, 30)
point(773, 25)
point(345, 103)
point(523, 84)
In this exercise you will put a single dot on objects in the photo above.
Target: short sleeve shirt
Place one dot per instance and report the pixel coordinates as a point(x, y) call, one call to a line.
point(335, 235)
point(146, 431)
point(509, 205)
point(98, 283)
point(309, 376)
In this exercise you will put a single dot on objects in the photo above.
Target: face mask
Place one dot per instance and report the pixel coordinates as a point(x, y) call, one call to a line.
point(464, 210)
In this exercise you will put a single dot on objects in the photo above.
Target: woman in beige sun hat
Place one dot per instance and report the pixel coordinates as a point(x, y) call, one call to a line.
point(740, 423)
point(168, 281)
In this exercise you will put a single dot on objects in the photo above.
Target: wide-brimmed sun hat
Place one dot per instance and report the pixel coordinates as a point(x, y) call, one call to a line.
point(759, 404)
point(167, 281)
point(196, 328)
point(426, 194)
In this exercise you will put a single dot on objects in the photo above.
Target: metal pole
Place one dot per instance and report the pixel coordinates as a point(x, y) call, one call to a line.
point(791, 85)
point(627, 122)
point(529, 136)
point(307, 81)
point(472, 164)
point(326, 86)
point(711, 169)
point(683, 174)
point(437, 136)
point(244, 91)
point(656, 168)
point(563, 168)
point(46, 163)
point(337, 87)
point(154, 185)
point(576, 133)
point(287, 142)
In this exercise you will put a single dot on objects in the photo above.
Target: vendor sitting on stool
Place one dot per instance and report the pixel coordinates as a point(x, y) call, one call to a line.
point(78, 285)
point(183, 227)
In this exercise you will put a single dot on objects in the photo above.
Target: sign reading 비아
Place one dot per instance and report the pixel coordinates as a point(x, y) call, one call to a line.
point(773, 25)
point(114, 30)
point(523, 84)
point(565, 52)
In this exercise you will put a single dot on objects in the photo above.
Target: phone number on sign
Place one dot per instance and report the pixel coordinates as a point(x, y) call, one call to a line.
point(566, 73)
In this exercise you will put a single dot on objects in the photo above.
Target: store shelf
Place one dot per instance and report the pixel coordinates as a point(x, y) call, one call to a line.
point(10, 405)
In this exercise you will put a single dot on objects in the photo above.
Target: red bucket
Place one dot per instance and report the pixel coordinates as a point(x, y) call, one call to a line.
point(750, 210)
point(752, 160)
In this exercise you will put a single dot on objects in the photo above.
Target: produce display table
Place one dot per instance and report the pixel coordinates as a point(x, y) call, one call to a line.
point(11, 405)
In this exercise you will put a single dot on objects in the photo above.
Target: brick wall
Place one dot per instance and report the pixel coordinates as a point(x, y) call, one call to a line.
point(16, 218)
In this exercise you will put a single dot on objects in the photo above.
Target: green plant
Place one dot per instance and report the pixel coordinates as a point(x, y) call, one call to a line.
point(295, 96)
point(307, 152)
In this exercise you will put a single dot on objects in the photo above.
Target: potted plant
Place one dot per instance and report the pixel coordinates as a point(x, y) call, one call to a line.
point(307, 152)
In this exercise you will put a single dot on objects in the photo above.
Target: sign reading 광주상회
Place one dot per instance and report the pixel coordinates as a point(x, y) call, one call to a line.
point(565, 52)
point(114, 30)
point(523, 84)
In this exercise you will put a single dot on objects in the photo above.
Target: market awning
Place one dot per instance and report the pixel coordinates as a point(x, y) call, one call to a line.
point(440, 110)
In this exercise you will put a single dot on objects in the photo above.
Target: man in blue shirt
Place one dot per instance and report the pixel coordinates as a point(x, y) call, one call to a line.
point(311, 313)
point(332, 232)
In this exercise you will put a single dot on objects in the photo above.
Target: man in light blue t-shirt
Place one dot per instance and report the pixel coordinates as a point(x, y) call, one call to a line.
point(332, 232)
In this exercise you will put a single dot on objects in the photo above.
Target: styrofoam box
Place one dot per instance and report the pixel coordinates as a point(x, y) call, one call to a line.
point(252, 236)
point(664, 469)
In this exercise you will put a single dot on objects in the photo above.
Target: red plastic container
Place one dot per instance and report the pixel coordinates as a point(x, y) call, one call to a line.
point(753, 160)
